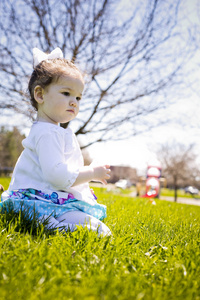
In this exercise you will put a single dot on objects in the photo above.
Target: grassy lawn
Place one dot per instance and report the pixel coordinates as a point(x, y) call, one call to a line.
point(5, 181)
point(154, 253)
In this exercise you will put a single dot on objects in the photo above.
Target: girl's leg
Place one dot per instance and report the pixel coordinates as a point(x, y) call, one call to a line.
point(73, 218)
point(52, 222)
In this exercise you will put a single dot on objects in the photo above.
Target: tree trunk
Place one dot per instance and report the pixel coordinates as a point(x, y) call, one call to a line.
point(175, 193)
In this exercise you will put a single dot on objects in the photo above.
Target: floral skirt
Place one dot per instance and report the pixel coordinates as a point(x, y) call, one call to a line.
point(50, 204)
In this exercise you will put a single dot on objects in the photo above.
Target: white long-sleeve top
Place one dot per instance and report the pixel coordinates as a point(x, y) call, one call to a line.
point(50, 162)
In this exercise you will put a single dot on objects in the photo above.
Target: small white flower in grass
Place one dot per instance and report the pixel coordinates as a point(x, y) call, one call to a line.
point(164, 248)
point(182, 267)
point(5, 277)
point(41, 281)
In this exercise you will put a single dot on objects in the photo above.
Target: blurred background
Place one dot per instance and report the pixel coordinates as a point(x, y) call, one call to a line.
point(140, 60)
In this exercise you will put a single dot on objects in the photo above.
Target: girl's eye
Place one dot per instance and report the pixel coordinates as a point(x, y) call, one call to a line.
point(66, 93)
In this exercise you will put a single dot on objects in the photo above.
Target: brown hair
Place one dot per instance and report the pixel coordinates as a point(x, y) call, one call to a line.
point(49, 71)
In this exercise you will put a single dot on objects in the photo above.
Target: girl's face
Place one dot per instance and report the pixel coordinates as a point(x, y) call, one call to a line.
point(59, 102)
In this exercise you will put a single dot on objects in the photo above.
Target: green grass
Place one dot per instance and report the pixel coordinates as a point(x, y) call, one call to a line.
point(154, 253)
point(5, 181)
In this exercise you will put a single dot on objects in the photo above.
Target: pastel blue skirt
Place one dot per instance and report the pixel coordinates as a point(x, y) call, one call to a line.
point(45, 204)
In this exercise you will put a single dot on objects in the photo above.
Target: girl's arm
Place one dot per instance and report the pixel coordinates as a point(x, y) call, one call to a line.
point(93, 173)
point(57, 172)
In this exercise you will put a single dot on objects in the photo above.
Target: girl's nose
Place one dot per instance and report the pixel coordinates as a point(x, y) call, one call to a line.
point(73, 102)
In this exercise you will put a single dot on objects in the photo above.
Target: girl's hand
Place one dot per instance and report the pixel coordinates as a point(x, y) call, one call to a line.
point(93, 173)
point(101, 173)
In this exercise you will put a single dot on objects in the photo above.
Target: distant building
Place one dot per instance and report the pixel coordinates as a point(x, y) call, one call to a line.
point(121, 172)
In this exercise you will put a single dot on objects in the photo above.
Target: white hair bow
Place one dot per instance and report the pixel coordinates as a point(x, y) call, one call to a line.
point(39, 55)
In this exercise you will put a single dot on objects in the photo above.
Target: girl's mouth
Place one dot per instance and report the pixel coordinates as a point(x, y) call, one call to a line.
point(71, 111)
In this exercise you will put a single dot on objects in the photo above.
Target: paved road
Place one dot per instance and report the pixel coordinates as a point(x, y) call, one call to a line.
point(191, 201)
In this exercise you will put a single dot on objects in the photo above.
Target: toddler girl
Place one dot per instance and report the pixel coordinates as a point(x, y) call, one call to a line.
point(49, 175)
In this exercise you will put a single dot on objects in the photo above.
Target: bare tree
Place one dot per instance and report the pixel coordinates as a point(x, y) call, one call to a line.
point(131, 53)
point(178, 165)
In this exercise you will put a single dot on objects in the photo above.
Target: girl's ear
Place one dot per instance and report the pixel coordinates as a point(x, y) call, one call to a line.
point(38, 94)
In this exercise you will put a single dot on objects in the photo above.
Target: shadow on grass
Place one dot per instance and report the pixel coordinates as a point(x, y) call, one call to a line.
point(25, 220)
